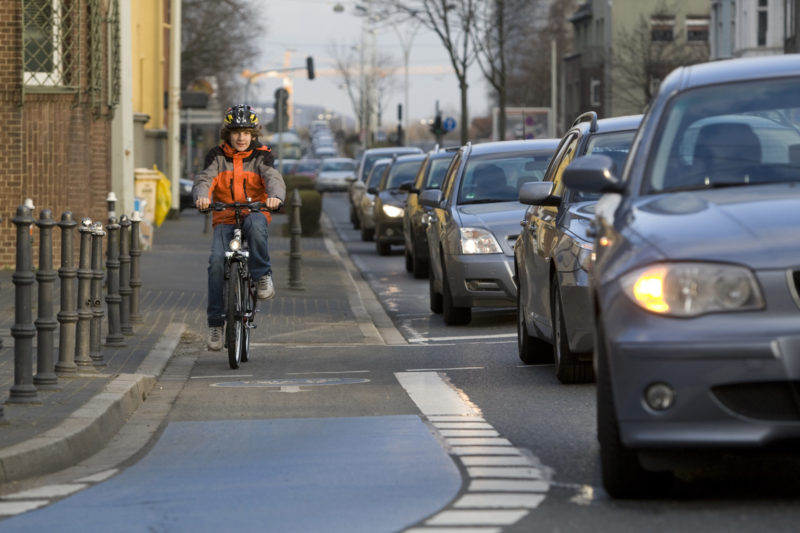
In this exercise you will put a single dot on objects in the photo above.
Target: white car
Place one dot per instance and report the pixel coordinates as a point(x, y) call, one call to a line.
point(335, 174)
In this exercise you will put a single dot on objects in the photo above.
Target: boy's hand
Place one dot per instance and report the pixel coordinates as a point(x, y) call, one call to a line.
point(202, 203)
point(273, 203)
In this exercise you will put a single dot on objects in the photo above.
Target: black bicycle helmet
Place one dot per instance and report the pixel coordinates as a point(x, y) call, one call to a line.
point(240, 117)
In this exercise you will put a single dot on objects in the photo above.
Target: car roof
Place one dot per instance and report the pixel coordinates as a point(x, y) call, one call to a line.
point(514, 146)
point(732, 70)
point(393, 150)
point(411, 157)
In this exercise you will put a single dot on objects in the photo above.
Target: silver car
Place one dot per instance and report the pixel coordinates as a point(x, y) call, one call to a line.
point(696, 281)
point(365, 208)
point(335, 174)
point(474, 223)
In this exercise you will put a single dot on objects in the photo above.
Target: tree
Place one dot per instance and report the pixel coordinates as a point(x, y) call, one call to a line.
point(489, 39)
point(453, 21)
point(218, 41)
point(640, 62)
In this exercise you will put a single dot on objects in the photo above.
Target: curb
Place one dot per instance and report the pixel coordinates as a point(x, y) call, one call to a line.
point(91, 426)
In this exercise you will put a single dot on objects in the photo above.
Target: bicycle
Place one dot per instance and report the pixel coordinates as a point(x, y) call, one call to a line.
point(240, 288)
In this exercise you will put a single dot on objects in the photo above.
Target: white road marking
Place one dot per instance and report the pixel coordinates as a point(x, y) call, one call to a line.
point(458, 530)
point(444, 369)
point(97, 478)
point(333, 372)
point(223, 376)
point(14, 508)
point(463, 338)
point(48, 491)
point(504, 484)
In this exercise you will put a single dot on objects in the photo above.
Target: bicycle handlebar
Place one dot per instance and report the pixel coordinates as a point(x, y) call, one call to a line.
point(252, 206)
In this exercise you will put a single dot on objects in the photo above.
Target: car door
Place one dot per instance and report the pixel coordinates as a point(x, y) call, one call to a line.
point(542, 232)
point(440, 219)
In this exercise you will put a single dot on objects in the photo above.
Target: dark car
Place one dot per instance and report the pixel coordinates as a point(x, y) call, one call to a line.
point(696, 281)
point(186, 199)
point(358, 185)
point(430, 176)
point(390, 201)
point(474, 223)
point(552, 253)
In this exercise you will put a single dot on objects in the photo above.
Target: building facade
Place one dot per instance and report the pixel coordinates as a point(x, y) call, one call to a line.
point(745, 28)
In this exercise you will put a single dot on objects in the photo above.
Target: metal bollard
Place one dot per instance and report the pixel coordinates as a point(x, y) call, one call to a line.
point(113, 299)
point(295, 255)
point(45, 378)
point(111, 202)
point(68, 316)
point(23, 390)
point(125, 275)
point(136, 281)
point(85, 275)
point(96, 298)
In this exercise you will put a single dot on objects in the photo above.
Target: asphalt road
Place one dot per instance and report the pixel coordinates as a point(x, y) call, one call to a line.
point(447, 432)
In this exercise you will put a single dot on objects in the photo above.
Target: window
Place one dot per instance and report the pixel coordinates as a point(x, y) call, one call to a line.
point(662, 28)
point(762, 22)
point(697, 29)
point(50, 45)
point(594, 92)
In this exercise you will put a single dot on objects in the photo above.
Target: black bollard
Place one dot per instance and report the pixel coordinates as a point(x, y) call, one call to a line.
point(125, 275)
point(68, 316)
point(114, 337)
point(136, 281)
point(23, 390)
point(85, 275)
point(95, 333)
point(295, 255)
point(45, 378)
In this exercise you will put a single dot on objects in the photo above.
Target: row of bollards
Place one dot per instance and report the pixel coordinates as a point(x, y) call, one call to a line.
point(81, 311)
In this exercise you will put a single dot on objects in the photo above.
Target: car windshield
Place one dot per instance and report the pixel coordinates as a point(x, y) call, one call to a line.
point(498, 177)
point(729, 135)
point(338, 165)
point(438, 168)
point(614, 145)
point(376, 174)
point(306, 166)
point(370, 159)
point(401, 172)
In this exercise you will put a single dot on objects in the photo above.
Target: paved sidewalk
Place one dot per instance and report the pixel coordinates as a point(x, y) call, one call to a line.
point(67, 425)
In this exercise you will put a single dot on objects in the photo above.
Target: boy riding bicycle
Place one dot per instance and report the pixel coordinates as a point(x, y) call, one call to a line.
point(240, 169)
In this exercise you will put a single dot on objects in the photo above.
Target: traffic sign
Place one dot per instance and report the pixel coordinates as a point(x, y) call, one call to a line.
point(449, 124)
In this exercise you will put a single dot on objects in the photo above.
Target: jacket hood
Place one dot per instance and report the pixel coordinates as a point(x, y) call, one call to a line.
point(751, 225)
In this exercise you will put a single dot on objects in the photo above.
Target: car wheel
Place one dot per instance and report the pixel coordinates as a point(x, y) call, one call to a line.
point(570, 367)
point(453, 316)
point(435, 297)
point(367, 234)
point(409, 261)
point(383, 247)
point(354, 218)
point(532, 350)
point(623, 475)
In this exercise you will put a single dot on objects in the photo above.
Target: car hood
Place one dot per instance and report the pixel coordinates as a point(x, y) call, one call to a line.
point(752, 225)
point(394, 197)
point(501, 218)
point(335, 174)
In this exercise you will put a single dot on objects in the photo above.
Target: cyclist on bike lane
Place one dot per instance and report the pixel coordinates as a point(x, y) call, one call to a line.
point(240, 169)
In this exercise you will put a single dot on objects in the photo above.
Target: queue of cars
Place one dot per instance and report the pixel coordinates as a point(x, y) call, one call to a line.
point(656, 254)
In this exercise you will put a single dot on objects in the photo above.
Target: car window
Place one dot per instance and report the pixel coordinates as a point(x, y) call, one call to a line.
point(338, 165)
point(400, 172)
point(376, 174)
point(732, 135)
point(498, 177)
point(306, 166)
point(436, 173)
point(450, 174)
point(615, 145)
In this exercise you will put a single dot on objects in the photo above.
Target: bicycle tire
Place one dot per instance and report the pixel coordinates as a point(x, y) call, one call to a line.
point(233, 316)
point(249, 308)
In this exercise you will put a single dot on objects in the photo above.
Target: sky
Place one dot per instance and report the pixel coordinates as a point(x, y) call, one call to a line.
point(312, 28)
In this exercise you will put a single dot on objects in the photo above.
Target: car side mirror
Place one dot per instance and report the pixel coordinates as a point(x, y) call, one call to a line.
point(593, 173)
point(372, 190)
point(431, 197)
point(407, 186)
point(538, 193)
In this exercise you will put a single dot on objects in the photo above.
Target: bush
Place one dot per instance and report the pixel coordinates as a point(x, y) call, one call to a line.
point(311, 208)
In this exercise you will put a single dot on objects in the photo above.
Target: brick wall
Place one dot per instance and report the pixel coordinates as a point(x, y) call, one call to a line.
point(54, 150)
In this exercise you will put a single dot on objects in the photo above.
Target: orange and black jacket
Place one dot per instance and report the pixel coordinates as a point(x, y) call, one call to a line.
point(231, 176)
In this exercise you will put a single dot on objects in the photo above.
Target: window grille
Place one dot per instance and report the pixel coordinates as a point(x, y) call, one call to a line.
point(51, 43)
point(662, 28)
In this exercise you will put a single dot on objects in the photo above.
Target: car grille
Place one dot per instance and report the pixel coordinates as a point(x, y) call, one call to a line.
point(773, 401)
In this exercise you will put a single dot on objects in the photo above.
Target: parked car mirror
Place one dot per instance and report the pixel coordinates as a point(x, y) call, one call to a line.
point(408, 186)
point(372, 190)
point(593, 173)
point(538, 193)
point(431, 197)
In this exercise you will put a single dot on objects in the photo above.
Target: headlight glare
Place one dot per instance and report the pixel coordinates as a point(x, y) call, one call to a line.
point(693, 289)
point(392, 211)
point(478, 241)
point(234, 245)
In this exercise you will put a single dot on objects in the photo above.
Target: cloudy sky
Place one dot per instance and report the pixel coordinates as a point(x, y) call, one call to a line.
point(312, 27)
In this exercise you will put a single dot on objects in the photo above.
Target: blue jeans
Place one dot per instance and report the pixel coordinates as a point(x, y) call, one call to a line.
point(254, 230)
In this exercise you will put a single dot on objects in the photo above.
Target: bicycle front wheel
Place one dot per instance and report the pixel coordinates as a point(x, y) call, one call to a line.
point(234, 324)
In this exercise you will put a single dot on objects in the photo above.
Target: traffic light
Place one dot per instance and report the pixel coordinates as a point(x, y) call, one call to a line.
point(281, 121)
point(437, 128)
point(310, 67)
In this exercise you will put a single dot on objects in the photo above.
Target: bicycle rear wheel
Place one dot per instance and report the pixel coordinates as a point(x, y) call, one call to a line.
point(234, 325)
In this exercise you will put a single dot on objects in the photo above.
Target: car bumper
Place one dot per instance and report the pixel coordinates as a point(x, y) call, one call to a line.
point(736, 376)
point(389, 230)
point(331, 185)
point(482, 280)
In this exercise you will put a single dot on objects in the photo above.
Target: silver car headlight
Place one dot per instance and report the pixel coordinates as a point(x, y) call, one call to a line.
point(392, 211)
point(692, 289)
point(478, 241)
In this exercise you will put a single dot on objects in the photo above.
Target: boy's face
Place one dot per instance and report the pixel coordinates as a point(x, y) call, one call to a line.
point(241, 139)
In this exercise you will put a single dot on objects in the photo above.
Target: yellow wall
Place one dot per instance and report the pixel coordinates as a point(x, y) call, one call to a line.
point(147, 31)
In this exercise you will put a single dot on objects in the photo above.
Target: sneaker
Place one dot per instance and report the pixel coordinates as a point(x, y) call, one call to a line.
point(214, 338)
point(265, 288)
